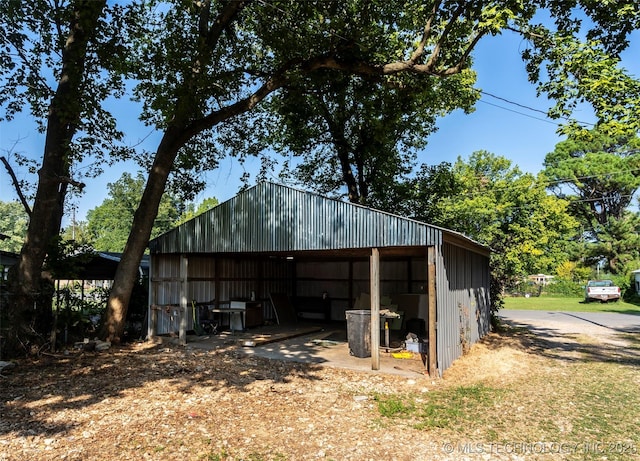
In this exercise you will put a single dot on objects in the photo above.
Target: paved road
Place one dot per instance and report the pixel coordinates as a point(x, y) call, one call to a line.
point(601, 324)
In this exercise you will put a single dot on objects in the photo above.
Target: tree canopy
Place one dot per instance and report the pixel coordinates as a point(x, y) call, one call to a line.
point(13, 225)
point(360, 134)
point(511, 212)
point(201, 68)
point(599, 175)
point(109, 223)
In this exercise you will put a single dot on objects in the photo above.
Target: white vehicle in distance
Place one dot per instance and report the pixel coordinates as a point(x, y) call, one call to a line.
point(603, 290)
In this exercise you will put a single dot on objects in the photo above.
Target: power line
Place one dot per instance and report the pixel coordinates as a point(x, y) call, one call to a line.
point(533, 109)
point(519, 113)
point(483, 92)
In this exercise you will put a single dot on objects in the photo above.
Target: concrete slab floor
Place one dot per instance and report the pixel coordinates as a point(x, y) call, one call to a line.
point(324, 345)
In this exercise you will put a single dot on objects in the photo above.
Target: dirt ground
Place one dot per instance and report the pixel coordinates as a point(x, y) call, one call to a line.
point(164, 402)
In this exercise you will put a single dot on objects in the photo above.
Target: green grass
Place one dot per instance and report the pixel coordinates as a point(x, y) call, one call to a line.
point(548, 303)
point(450, 409)
point(585, 403)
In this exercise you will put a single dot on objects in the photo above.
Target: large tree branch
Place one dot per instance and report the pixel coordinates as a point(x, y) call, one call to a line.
point(280, 78)
point(366, 68)
point(277, 81)
point(224, 19)
point(445, 34)
point(16, 185)
point(426, 33)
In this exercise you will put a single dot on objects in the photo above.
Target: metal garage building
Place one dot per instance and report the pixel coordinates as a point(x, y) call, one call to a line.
point(324, 252)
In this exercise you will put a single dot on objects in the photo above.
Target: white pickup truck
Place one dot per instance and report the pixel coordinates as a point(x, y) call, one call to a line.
point(604, 290)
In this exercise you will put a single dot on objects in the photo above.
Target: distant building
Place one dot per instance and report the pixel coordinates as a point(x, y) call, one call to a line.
point(540, 279)
point(7, 259)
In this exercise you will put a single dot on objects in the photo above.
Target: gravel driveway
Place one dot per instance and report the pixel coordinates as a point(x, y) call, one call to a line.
point(605, 326)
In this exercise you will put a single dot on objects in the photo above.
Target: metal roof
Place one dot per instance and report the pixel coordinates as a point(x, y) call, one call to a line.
point(270, 217)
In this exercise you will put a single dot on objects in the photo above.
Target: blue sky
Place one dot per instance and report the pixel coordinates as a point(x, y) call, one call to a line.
point(519, 134)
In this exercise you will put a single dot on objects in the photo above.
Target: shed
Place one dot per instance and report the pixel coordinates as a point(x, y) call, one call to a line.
point(636, 280)
point(7, 260)
point(275, 239)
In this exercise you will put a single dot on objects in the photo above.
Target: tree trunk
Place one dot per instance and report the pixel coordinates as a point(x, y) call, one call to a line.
point(32, 301)
point(127, 272)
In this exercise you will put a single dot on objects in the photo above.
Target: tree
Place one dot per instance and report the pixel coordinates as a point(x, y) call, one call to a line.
point(510, 212)
point(109, 223)
point(599, 175)
point(426, 189)
point(214, 62)
point(69, 43)
point(617, 243)
point(13, 224)
point(192, 211)
point(361, 134)
point(581, 60)
point(77, 232)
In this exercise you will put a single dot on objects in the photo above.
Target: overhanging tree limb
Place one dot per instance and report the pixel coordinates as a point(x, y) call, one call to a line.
point(16, 186)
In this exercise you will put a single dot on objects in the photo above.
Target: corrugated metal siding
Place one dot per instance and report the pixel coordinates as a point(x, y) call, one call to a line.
point(235, 278)
point(463, 309)
point(270, 218)
point(274, 218)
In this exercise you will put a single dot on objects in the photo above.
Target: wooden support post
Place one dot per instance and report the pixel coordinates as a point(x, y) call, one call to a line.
point(432, 360)
point(152, 314)
point(153, 323)
point(184, 305)
point(375, 308)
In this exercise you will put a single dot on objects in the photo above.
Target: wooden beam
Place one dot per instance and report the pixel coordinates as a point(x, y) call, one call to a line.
point(184, 305)
point(432, 360)
point(152, 314)
point(375, 308)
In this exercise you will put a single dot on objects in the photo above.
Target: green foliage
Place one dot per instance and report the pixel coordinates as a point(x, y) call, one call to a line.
point(109, 224)
point(361, 134)
point(431, 184)
point(581, 72)
point(192, 211)
point(578, 49)
point(34, 36)
point(14, 221)
point(510, 212)
point(618, 243)
point(66, 258)
point(77, 313)
point(572, 271)
point(564, 287)
point(598, 174)
point(78, 231)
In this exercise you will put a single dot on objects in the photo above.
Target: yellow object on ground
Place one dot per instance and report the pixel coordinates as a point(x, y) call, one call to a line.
point(402, 355)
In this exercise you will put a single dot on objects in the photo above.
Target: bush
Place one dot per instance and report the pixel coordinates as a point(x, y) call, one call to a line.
point(564, 287)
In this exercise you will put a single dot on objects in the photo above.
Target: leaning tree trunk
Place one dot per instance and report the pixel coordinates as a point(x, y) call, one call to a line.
point(144, 217)
point(31, 290)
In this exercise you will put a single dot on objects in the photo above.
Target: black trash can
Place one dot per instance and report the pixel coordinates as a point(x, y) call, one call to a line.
point(359, 332)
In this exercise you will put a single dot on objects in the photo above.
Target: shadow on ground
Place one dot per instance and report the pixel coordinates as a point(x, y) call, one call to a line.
point(619, 347)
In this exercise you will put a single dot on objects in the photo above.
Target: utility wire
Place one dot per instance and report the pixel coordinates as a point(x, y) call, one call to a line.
point(483, 92)
point(519, 113)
